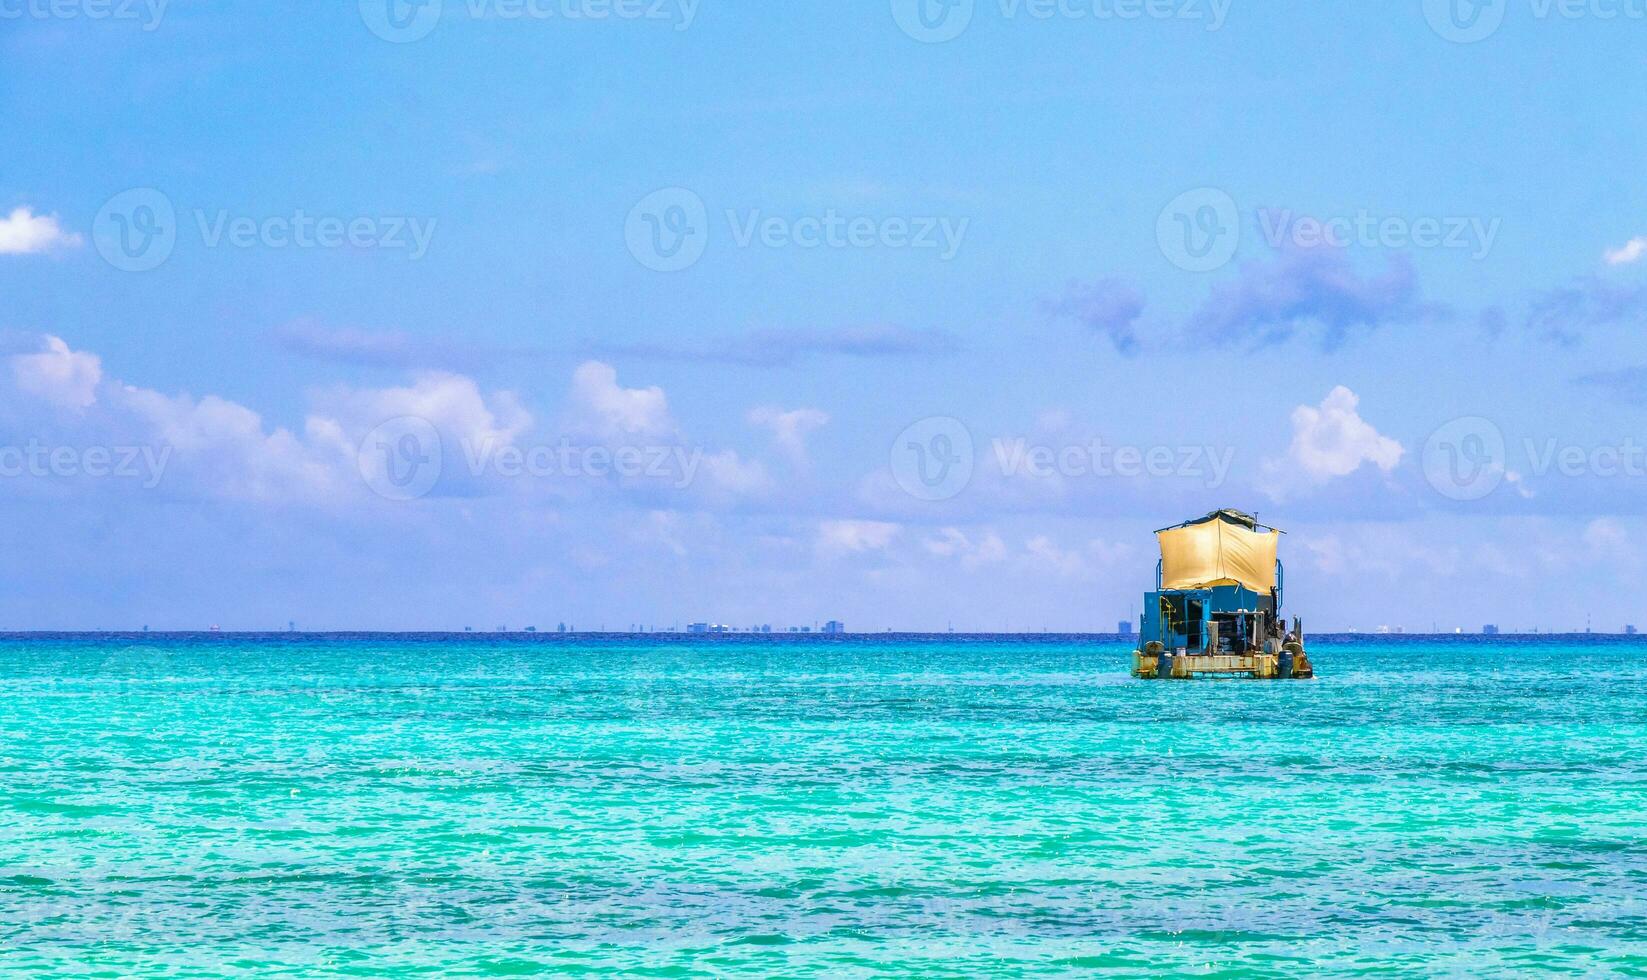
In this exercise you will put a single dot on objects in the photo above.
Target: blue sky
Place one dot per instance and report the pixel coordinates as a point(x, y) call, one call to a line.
point(971, 229)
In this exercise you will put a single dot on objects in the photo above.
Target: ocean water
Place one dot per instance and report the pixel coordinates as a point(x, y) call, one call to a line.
point(937, 806)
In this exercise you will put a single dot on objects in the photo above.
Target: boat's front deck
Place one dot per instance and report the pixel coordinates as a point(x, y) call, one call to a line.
point(1257, 666)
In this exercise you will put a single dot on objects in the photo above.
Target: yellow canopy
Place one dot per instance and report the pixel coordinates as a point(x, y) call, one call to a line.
point(1218, 551)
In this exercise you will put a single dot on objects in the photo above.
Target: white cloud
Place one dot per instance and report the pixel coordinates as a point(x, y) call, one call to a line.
point(606, 408)
point(661, 528)
point(224, 448)
point(853, 537)
point(65, 378)
point(1042, 554)
point(601, 408)
point(1377, 550)
point(220, 448)
point(789, 429)
point(1631, 251)
point(951, 542)
point(1606, 538)
point(1329, 441)
point(452, 403)
point(1111, 554)
point(25, 233)
point(729, 473)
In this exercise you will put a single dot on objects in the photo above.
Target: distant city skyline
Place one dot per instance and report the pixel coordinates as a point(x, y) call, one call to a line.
point(1123, 631)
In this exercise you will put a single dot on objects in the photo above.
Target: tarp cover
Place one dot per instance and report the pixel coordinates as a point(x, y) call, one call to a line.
point(1218, 551)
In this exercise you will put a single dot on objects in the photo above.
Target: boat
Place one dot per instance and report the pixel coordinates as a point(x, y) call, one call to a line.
point(1216, 607)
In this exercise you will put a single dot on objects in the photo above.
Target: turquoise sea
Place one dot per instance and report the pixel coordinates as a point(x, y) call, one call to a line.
point(296, 805)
